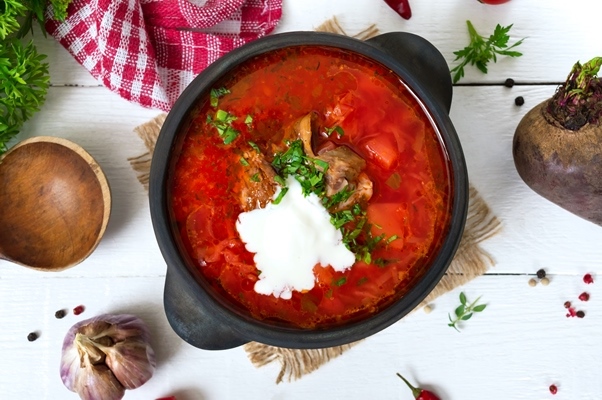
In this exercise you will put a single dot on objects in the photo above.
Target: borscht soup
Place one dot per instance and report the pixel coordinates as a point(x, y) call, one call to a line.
point(311, 188)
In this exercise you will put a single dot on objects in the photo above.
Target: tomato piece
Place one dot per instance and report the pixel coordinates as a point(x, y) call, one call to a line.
point(382, 150)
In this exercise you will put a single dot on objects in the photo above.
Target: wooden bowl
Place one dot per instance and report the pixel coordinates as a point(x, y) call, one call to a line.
point(55, 204)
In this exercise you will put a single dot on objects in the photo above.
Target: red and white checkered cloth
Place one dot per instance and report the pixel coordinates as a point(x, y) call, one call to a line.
point(148, 51)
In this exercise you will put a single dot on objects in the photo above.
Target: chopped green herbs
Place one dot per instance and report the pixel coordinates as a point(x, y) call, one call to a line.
point(254, 146)
point(294, 162)
point(244, 162)
point(255, 177)
point(337, 198)
point(339, 131)
point(280, 196)
point(380, 262)
point(222, 121)
point(361, 281)
point(340, 282)
point(249, 121)
point(340, 218)
point(216, 94)
point(392, 238)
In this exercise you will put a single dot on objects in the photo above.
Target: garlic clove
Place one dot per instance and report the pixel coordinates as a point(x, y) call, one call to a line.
point(97, 382)
point(70, 366)
point(125, 326)
point(132, 361)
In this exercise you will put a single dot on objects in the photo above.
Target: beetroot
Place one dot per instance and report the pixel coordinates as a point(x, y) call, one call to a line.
point(557, 145)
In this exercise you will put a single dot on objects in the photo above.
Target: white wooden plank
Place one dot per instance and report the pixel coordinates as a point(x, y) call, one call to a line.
point(558, 34)
point(514, 349)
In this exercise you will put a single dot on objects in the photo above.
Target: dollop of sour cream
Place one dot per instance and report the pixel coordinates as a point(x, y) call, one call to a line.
point(289, 239)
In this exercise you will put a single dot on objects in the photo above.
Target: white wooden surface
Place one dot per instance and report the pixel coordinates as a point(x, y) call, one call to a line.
point(514, 350)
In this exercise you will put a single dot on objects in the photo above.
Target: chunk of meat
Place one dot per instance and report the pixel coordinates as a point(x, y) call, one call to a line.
point(344, 166)
point(301, 128)
point(361, 193)
point(257, 185)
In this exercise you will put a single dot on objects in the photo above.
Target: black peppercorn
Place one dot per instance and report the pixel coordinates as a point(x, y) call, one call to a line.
point(541, 273)
point(60, 314)
point(32, 336)
point(580, 314)
point(509, 82)
point(519, 101)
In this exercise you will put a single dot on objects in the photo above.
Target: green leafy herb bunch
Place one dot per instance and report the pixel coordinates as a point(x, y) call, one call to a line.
point(24, 77)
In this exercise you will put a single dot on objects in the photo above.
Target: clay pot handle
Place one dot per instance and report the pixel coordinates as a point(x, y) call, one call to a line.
point(422, 60)
point(190, 319)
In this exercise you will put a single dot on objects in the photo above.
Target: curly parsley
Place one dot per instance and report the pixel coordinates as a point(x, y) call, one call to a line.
point(24, 77)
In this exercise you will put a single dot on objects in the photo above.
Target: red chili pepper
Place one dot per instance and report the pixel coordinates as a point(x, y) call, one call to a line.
point(419, 393)
point(402, 7)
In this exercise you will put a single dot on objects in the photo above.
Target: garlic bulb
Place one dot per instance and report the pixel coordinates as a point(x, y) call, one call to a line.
point(105, 355)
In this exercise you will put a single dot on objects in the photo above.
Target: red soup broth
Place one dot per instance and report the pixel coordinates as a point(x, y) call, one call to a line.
point(381, 121)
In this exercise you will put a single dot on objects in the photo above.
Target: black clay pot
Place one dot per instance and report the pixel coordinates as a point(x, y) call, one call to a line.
point(194, 310)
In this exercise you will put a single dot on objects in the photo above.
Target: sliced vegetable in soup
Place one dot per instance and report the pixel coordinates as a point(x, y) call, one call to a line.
point(311, 188)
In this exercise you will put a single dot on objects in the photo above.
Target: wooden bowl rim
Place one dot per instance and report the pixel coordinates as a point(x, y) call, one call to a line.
point(102, 181)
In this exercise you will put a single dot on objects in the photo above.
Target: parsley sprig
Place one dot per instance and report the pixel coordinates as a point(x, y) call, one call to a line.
point(465, 311)
point(24, 78)
point(482, 50)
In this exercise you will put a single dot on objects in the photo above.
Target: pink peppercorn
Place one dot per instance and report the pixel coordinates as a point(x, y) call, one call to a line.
point(588, 278)
point(584, 296)
point(572, 312)
point(553, 389)
point(78, 310)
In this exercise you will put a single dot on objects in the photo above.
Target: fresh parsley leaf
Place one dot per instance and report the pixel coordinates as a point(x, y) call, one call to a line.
point(11, 11)
point(341, 218)
point(482, 50)
point(24, 77)
point(255, 177)
point(244, 162)
point(340, 132)
point(361, 281)
point(215, 94)
point(279, 180)
point(24, 81)
point(280, 196)
point(465, 311)
point(254, 146)
point(222, 121)
point(294, 162)
point(340, 282)
point(249, 121)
